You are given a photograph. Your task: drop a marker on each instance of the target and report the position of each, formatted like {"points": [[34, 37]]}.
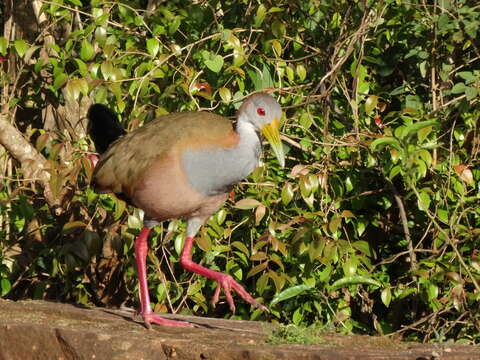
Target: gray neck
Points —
{"points": [[213, 172], [249, 148]]}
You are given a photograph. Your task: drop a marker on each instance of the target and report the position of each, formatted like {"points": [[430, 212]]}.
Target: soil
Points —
{"points": [[49, 330]]}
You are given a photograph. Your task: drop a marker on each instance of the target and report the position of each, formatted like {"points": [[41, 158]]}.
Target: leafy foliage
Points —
{"points": [[374, 225]]}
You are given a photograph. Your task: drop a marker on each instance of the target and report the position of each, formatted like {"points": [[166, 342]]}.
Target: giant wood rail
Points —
{"points": [[182, 165]]}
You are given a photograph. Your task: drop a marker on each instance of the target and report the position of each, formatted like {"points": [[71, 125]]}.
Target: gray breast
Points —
{"points": [[214, 171]]}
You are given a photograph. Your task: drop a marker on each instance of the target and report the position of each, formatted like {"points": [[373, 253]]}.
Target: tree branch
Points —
{"points": [[34, 163]]}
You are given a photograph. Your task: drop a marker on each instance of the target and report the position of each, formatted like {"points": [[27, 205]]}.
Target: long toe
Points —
{"points": [[152, 318], [227, 283]]}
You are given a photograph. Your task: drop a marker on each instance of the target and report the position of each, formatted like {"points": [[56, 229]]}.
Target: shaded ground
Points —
{"points": [[47, 330]]}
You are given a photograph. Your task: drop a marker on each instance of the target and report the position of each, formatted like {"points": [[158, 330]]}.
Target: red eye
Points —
{"points": [[261, 111]]}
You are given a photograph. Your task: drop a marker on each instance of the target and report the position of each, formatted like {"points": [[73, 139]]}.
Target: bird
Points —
{"points": [[182, 165]]}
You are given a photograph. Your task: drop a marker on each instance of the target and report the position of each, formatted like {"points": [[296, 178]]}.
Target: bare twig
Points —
{"points": [[406, 231]]}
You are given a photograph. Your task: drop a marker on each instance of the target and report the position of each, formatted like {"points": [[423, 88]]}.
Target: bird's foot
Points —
{"points": [[152, 318], [227, 283]]}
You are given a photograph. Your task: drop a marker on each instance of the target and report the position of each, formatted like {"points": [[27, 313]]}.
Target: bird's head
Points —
{"points": [[264, 113]]}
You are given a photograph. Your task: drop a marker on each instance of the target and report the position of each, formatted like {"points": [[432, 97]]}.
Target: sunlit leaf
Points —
{"points": [[255, 270], [3, 45], [354, 280], [424, 201], [225, 94], [277, 48], [386, 296], [384, 141], [246, 204], [20, 47], [5, 287], [301, 72], [260, 15], [86, 51], [153, 45], [215, 63], [289, 293], [371, 104]]}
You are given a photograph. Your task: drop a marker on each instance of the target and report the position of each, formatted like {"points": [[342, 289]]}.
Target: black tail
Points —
{"points": [[103, 127]]}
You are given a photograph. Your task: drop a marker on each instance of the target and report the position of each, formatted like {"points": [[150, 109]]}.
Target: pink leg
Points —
{"points": [[149, 317], [224, 281], [93, 159]]}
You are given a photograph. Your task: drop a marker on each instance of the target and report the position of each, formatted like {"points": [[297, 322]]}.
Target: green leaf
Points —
{"points": [[102, 21], [423, 133], [386, 296], [60, 80], [414, 128], [278, 29], [316, 247], [423, 68], [301, 72], [432, 291], [75, 2], [108, 70], [83, 86], [458, 88], [178, 244], [260, 16], [289, 293], [240, 246], [297, 316], [153, 45], [5, 287], [334, 224], [424, 201], [467, 76], [101, 34], [362, 246], [20, 47], [120, 207], [247, 204], [225, 94], [277, 47], [354, 280], [82, 67], [350, 267], [215, 63], [3, 45], [72, 225], [255, 270], [371, 104], [287, 193], [86, 51], [426, 157], [397, 169], [443, 215], [443, 21], [290, 73], [383, 141], [72, 91], [471, 93]]}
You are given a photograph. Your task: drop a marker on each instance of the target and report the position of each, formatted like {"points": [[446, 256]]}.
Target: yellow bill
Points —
{"points": [[272, 134]]}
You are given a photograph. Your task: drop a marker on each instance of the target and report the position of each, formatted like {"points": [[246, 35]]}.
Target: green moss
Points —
{"points": [[293, 334]]}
